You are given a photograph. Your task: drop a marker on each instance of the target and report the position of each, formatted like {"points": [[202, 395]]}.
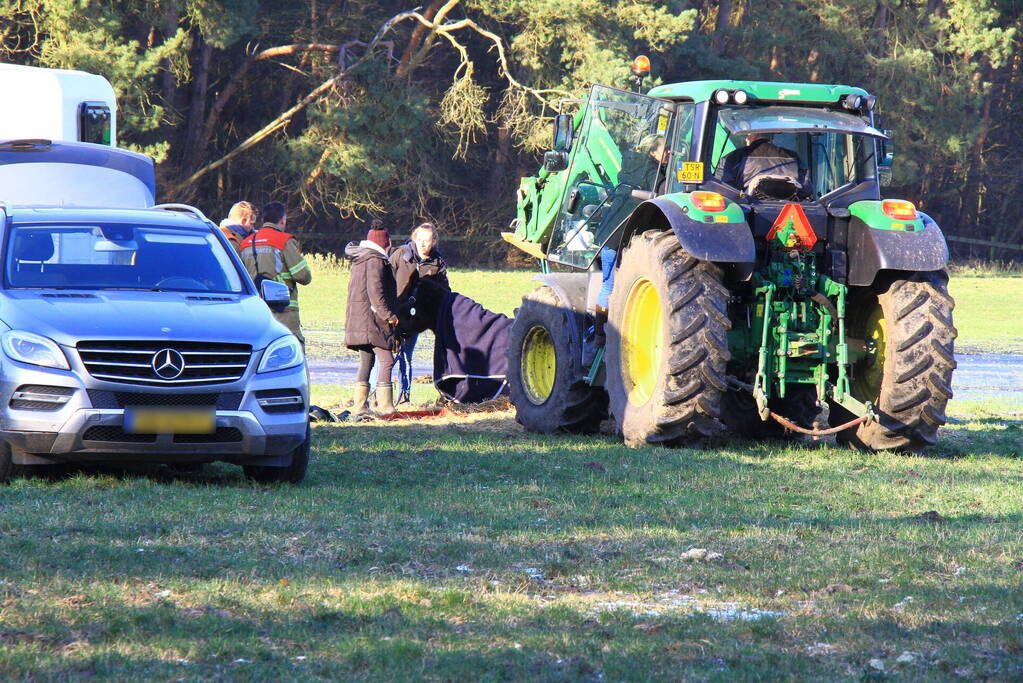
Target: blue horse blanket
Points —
{"points": [[470, 355]]}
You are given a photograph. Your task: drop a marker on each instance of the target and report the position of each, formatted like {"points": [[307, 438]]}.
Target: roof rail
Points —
{"points": [[184, 208]]}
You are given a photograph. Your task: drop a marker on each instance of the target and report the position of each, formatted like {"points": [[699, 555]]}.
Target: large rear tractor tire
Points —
{"points": [[545, 375], [908, 373], [666, 344]]}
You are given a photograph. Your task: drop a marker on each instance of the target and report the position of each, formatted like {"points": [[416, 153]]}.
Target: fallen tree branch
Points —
{"points": [[228, 91], [285, 118], [444, 30]]}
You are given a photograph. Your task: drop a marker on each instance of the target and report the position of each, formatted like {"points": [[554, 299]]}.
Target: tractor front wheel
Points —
{"points": [[907, 374], [666, 344], [545, 375]]}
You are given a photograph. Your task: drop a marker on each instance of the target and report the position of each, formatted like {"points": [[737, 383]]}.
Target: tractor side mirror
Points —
{"points": [[885, 157], [562, 133], [554, 161]]}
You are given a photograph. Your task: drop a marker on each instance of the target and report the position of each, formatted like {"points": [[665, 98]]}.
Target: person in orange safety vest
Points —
{"points": [[270, 253]]}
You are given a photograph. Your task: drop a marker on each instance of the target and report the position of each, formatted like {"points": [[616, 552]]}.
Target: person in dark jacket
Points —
{"points": [[416, 260], [761, 160], [371, 318]]}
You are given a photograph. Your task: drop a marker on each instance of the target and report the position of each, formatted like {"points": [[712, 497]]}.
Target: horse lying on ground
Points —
{"points": [[471, 346]]}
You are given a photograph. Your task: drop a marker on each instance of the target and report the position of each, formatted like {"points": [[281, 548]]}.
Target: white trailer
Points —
{"points": [[56, 104]]}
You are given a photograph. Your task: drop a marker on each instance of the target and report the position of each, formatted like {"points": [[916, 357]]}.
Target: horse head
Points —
{"points": [[419, 311]]}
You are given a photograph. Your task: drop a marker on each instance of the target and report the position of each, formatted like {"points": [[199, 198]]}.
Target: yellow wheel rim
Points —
{"points": [[867, 386], [642, 331], [539, 365]]}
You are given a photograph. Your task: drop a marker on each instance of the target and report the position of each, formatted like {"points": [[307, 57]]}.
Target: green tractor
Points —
{"points": [[744, 294]]}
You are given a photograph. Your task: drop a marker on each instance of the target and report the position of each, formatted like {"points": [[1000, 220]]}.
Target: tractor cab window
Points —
{"points": [[680, 149], [791, 154], [622, 145]]}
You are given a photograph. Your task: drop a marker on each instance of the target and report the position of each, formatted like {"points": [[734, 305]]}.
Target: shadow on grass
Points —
{"points": [[457, 635]]}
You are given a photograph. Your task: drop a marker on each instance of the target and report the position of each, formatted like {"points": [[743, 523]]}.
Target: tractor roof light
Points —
{"points": [[899, 209], [740, 97], [708, 201], [869, 101], [641, 66], [721, 96], [852, 102]]}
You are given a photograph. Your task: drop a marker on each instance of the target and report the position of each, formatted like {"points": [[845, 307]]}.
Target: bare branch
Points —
{"points": [[436, 28], [286, 117], [406, 65]]}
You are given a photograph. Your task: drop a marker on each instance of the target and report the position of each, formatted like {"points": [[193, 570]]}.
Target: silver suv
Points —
{"points": [[136, 334]]}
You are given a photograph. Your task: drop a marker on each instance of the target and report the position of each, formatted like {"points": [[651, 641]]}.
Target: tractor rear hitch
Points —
{"points": [[866, 410]]}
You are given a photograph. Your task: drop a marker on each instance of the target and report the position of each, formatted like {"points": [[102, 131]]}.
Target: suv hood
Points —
{"points": [[69, 317]]}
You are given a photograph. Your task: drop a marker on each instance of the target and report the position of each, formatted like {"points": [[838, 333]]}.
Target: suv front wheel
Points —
{"points": [[292, 473]]}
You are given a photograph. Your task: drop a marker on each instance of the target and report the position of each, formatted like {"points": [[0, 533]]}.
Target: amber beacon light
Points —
{"points": [[641, 66]]}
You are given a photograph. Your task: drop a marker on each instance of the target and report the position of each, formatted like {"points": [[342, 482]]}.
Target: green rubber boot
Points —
{"points": [[359, 402], [385, 399]]}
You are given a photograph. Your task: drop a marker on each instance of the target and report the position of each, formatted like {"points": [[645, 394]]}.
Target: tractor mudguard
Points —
{"points": [[571, 290], [730, 242], [875, 249]]}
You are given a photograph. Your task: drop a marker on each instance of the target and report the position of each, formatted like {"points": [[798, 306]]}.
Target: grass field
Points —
{"points": [[469, 550]]}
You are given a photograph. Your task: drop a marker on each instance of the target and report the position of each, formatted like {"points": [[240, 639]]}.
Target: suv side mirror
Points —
{"points": [[275, 294], [563, 133]]}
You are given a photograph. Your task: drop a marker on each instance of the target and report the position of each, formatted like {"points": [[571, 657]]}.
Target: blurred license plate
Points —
{"points": [[169, 421]]}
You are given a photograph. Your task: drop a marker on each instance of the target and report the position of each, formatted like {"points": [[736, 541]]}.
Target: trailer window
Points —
{"points": [[94, 123]]}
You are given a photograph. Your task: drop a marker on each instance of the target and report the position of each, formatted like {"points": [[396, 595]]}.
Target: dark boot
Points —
{"points": [[359, 402], [385, 399], [597, 340], [599, 321]]}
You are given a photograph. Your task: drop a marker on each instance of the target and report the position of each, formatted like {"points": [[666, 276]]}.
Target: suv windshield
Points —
{"points": [[118, 256]]}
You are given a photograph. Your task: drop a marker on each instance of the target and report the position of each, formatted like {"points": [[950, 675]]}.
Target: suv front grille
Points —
{"points": [[229, 400], [112, 433], [165, 363]]}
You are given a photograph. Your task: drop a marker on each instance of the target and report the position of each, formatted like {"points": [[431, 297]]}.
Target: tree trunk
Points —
{"points": [[168, 84], [721, 26], [197, 109], [973, 187], [405, 65], [880, 27], [502, 156]]}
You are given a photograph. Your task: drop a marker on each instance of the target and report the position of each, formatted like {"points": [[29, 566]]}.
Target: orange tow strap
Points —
{"points": [[789, 424]]}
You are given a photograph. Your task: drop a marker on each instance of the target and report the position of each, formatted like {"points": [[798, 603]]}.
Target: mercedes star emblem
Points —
{"points": [[168, 364]]}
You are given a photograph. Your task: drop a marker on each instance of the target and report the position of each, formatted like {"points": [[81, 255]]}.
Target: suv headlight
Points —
{"points": [[33, 349], [282, 354]]}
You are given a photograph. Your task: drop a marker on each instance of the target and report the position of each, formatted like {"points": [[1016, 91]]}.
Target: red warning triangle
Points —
{"points": [[795, 229]]}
